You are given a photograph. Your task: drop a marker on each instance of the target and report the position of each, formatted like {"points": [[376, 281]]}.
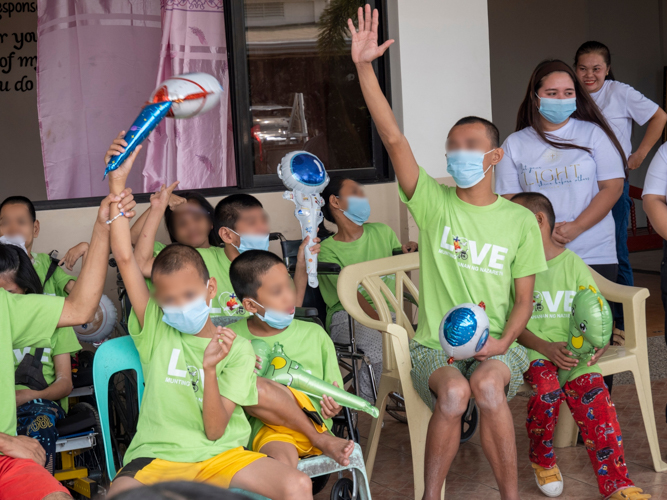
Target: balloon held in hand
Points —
{"points": [[305, 176], [181, 96], [590, 328], [277, 366], [464, 331]]}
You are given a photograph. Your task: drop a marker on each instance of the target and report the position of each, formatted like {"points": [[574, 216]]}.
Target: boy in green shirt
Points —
{"points": [[30, 320], [266, 290], [473, 245], [189, 429], [585, 392]]}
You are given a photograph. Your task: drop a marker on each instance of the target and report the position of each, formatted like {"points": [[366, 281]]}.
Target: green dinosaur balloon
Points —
{"points": [[590, 327], [277, 366]]}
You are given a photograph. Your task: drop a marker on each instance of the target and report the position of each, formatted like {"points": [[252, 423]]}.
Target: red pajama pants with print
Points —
{"points": [[592, 409]]}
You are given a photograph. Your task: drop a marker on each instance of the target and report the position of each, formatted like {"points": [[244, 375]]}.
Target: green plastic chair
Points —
{"points": [[120, 354]]}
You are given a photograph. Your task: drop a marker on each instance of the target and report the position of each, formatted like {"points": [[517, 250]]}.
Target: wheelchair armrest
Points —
{"points": [[306, 312], [322, 268]]}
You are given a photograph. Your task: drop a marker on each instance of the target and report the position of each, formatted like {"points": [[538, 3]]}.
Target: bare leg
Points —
{"points": [[277, 406], [122, 484], [444, 429], [496, 426], [281, 451], [273, 479], [57, 496]]}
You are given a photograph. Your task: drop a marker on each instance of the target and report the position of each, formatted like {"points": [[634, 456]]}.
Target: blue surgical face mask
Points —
{"points": [[251, 241], [275, 319], [557, 110], [467, 167], [189, 318], [358, 209]]}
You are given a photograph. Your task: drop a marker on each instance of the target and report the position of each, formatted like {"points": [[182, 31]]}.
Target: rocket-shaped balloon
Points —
{"points": [[182, 96], [277, 366], [590, 327], [148, 119], [305, 176]]}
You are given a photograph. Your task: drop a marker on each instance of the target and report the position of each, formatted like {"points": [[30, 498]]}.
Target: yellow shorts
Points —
{"points": [[271, 433], [217, 471]]}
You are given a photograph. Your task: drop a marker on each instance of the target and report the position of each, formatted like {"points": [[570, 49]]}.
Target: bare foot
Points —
{"points": [[337, 448]]}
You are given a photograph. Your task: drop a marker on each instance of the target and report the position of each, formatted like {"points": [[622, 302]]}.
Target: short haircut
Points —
{"points": [[175, 257], [537, 202], [247, 270], [20, 200], [228, 210], [491, 129], [207, 208]]}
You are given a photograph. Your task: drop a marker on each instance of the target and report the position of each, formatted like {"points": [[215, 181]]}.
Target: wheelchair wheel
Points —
{"points": [[396, 407], [92, 459], [469, 423], [123, 412], [342, 489]]}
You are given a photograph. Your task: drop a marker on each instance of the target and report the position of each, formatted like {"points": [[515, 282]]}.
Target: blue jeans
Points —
{"points": [[621, 212]]}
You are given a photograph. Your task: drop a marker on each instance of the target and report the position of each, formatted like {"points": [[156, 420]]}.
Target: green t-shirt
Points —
{"points": [[24, 320], [552, 303], [171, 425], [309, 345], [226, 308], [377, 241], [63, 341], [57, 282], [469, 254]]}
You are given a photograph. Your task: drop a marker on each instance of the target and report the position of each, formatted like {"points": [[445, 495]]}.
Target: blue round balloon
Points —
{"points": [[460, 326], [308, 169]]}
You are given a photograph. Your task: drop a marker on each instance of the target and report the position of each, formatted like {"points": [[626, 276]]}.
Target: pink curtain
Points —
{"points": [[199, 151], [97, 61]]}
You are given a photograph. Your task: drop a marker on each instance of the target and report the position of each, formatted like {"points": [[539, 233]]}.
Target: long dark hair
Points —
{"points": [[213, 238], [16, 265], [334, 187], [587, 110], [595, 47]]}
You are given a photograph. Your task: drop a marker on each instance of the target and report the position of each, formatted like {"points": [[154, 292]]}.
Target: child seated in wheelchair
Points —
{"points": [[266, 289], [355, 241], [586, 394], [28, 321], [43, 375], [187, 429]]}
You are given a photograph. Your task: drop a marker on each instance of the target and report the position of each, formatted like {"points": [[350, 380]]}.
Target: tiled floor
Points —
{"points": [[471, 477]]}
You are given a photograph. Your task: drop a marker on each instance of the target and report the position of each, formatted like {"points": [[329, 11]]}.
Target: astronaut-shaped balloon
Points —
{"points": [[304, 175]]}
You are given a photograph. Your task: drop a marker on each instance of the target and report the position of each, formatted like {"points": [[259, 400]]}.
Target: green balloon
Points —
{"points": [[277, 366], [590, 328]]}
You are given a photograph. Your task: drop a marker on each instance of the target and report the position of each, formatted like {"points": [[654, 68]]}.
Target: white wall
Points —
{"points": [[443, 52]]}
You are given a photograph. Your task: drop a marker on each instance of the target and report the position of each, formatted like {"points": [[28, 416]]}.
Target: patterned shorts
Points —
{"points": [[426, 360]]}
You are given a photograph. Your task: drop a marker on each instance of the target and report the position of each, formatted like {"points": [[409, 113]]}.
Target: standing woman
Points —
{"points": [[621, 105], [564, 149]]}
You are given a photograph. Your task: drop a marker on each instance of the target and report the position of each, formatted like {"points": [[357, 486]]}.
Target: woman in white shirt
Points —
{"points": [[564, 149], [621, 105], [654, 199]]}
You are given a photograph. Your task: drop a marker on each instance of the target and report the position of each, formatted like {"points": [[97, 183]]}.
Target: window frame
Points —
{"points": [[247, 181]]}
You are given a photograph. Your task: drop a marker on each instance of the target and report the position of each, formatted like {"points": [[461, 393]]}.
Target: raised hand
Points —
{"points": [[218, 348], [365, 47], [118, 177], [125, 202], [162, 198]]}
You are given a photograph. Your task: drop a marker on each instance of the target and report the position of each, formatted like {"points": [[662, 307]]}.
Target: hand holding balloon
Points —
{"points": [[590, 329], [464, 331], [277, 366]]}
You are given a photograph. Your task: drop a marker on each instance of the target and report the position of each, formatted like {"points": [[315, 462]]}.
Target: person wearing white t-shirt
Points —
{"points": [[654, 199], [621, 105], [564, 149]]}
